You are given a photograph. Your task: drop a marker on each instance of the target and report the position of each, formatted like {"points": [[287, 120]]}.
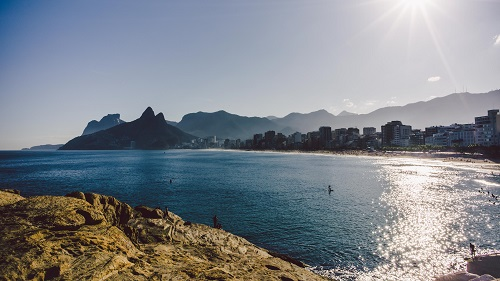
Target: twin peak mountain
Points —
{"points": [[150, 131]]}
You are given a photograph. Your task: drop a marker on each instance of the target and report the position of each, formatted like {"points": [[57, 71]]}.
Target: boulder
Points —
{"points": [[115, 212]]}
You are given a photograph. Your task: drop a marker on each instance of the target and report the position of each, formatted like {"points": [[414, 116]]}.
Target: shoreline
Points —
{"points": [[490, 164]]}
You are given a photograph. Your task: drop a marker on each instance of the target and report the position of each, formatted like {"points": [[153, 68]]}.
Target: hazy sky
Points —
{"points": [[64, 63]]}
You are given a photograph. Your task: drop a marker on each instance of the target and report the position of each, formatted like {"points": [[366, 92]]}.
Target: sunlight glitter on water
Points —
{"points": [[426, 217]]}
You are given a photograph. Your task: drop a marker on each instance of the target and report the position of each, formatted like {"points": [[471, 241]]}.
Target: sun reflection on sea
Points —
{"points": [[424, 222]]}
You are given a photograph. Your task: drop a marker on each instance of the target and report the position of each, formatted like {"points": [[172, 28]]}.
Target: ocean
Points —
{"points": [[385, 218]]}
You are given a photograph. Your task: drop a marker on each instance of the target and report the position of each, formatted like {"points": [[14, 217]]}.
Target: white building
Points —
{"points": [[453, 135]]}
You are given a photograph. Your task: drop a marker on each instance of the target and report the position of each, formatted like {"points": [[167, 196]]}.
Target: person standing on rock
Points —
{"points": [[216, 221], [472, 250]]}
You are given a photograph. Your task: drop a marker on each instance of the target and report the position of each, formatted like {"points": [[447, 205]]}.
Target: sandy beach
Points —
{"points": [[478, 159]]}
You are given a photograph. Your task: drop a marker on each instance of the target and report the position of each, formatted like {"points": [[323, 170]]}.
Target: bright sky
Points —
{"points": [[64, 63]]}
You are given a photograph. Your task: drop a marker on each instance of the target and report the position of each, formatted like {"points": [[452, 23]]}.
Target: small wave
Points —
{"points": [[340, 274], [488, 183]]}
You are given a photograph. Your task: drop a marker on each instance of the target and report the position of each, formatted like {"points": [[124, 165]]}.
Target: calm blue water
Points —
{"points": [[386, 219]]}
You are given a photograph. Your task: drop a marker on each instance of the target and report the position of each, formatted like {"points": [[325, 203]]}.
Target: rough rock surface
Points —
{"points": [[96, 237], [10, 196]]}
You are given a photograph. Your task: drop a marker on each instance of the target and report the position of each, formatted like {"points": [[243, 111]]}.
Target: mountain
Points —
{"points": [[225, 125], [147, 132], [453, 108], [44, 147], [106, 122], [306, 122]]}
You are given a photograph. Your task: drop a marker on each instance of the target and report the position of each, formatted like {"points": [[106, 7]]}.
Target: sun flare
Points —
{"points": [[414, 3]]}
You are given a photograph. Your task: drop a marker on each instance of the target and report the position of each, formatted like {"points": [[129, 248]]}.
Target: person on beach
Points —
{"points": [[216, 221], [472, 250], [330, 189]]}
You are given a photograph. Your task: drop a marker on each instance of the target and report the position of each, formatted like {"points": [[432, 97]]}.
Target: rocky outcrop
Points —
{"points": [[86, 236], [147, 132], [106, 122], [485, 264], [116, 213], [465, 276]]}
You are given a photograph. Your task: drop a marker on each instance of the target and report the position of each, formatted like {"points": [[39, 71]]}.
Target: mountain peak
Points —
{"points": [[148, 113], [160, 116], [147, 132]]}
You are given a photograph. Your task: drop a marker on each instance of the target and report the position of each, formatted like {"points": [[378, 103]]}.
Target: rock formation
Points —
{"points": [[96, 237], [106, 122], [147, 132]]}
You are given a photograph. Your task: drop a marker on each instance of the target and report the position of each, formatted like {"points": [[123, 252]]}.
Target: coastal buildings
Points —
{"points": [[369, 131], [417, 137], [488, 128], [462, 135], [394, 133], [325, 136], [484, 132], [340, 136]]}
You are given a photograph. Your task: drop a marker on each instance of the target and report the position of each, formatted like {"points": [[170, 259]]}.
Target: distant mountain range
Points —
{"points": [[454, 108], [152, 131], [147, 132], [106, 122]]}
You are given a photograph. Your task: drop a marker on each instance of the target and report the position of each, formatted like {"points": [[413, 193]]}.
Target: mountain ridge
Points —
{"points": [[224, 125], [149, 131], [460, 107]]}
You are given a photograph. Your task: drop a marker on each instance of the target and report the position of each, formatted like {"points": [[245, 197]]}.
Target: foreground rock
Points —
{"points": [[481, 268], [95, 237]]}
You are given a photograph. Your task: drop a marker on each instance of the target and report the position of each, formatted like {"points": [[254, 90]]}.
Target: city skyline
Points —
{"points": [[66, 63]]}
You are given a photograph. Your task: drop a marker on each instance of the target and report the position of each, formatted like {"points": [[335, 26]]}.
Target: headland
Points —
{"points": [[96, 237]]}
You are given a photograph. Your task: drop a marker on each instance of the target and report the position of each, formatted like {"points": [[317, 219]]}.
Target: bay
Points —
{"points": [[385, 219]]}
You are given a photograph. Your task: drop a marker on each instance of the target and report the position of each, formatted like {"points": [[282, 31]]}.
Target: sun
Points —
{"points": [[414, 3]]}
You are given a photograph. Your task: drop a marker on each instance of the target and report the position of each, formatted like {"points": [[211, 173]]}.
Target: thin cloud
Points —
{"points": [[497, 40], [434, 79], [370, 102], [391, 101], [348, 103]]}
